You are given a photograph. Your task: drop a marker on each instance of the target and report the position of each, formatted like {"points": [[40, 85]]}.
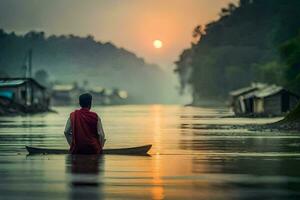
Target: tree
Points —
{"points": [[33, 35], [228, 10], [198, 32], [290, 54]]}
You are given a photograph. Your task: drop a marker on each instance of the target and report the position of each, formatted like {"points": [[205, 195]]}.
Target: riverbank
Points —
{"points": [[280, 126], [8, 108], [15, 111], [292, 127], [291, 122]]}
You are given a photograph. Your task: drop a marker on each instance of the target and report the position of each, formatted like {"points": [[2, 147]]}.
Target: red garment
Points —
{"points": [[85, 138]]}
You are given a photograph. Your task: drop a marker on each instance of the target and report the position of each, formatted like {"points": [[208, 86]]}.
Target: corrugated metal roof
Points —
{"points": [[10, 83], [264, 92], [268, 91], [251, 88]]}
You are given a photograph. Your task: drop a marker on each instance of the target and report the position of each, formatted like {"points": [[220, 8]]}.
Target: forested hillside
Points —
{"points": [[69, 59], [249, 42]]}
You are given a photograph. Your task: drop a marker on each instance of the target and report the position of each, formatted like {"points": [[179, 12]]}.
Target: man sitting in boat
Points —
{"points": [[83, 130]]}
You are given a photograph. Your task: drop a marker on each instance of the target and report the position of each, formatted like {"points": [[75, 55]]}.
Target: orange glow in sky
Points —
{"points": [[130, 24]]}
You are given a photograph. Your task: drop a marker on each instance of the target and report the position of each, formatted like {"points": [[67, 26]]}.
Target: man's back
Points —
{"points": [[85, 138], [84, 130]]}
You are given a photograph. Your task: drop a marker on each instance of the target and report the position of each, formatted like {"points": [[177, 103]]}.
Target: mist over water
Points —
{"points": [[196, 154], [86, 64]]}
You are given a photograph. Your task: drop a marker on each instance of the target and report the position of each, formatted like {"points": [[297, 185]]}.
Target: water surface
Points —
{"points": [[195, 155]]}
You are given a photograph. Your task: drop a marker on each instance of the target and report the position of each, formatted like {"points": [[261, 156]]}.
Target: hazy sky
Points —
{"points": [[132, 24]]}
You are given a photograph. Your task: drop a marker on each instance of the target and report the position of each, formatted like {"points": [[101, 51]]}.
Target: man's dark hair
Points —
{"points": [[85, 100]]}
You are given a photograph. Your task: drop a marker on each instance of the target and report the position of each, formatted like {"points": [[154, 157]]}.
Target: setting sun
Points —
{"points": [[157, 44]]}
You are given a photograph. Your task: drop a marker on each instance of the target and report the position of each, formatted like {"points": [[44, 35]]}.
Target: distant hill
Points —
{"points": [[70, 58]]}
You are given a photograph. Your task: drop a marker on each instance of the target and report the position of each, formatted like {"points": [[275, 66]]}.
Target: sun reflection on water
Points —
{"points": [[157, 189], [156, 124]]}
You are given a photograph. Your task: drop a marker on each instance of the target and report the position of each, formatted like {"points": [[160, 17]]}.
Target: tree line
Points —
{"points": [[254, 40], [71, 58]]}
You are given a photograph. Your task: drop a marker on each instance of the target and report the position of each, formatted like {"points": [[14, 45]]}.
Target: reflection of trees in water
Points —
{"points": [[221, 161], [16, 133], [237, 145], [85, 176], [277, 174], [219, 138]]}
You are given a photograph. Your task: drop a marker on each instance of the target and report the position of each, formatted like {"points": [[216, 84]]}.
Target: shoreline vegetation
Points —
{"points": [[236, 50]]}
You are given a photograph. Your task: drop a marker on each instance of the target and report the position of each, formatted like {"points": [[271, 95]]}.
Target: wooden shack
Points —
{"points": [[24, 93], [102, 96], [65, 94], [237, 97], [271, 100]]}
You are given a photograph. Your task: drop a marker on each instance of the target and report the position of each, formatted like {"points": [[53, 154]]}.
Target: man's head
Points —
{"points": [[85, 100]]}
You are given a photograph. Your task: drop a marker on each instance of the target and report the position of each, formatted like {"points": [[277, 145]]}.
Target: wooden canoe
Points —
{"points": [[140, 150]]}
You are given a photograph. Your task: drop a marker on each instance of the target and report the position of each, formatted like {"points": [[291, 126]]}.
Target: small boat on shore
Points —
{"points": [[140, 150]]}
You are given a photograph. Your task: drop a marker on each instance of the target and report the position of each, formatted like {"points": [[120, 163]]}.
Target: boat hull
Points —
{"points": [[140, 150]]}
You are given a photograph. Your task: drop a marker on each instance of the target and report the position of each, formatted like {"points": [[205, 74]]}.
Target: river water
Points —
{"points": [[196, 154]]}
